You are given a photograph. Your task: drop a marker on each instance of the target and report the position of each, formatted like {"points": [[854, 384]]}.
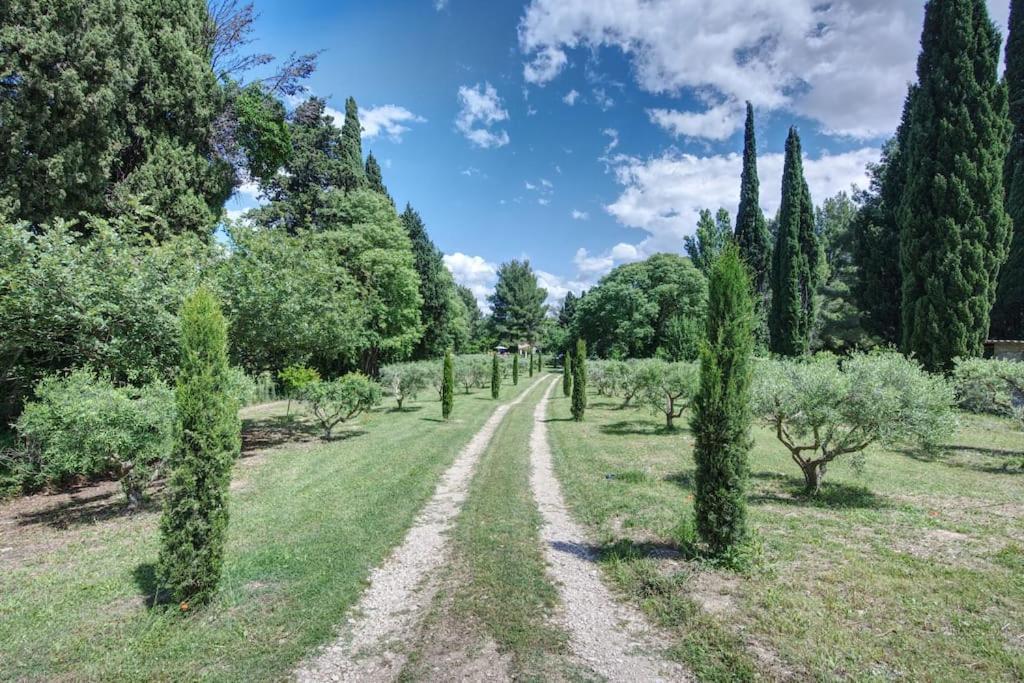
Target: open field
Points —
{"points": [[913, 568], [308, 521]]}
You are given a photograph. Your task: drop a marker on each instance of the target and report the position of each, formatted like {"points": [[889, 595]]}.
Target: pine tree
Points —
{"points": [[713, 233], [517, 304], [796, 261], [721, 411], [1008, 314], [954, 230], [195, 518], [374, 177], [515, 370], [353, 173], [567, 373], [495, 376], [752, 234], [447, 385], [437, 288], [579, 381]]}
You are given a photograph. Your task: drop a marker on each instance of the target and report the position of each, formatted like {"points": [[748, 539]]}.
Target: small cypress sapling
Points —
{"points": [[540, 362], [515, 370], [567, 373], [579, 381], [495, 376], [447, 385], [531, 363], [721, 411], [195, 517]]}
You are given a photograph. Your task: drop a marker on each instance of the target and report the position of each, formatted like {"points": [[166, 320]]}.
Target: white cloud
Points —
{"points": [[716, 123], [571, 97], [663, 195], [386, 119], [613, 140], [440, 4], [557, 287], [844, 63], [543, 201], [249, 191], [474, 272], [578, 215], [602, 99], [471, 171], [481, 109], [530, 186], [546, 183]]}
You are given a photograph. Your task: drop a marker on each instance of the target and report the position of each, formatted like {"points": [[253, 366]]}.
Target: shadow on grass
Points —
{"points": [[559, 419], [833, 494], [405, 409], [85, 509], [989, 460], [271, 432], [146, 582], [683, 480], [638, 427], [623, 550]]}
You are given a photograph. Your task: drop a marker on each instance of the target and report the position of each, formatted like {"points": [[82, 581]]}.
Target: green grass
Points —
{"points": [[910, 567], [308, 522]]}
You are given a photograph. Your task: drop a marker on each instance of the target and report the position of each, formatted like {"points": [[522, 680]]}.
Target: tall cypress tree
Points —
{"points": [[954, 230], [721, 411], [495, 376], [515, 369], [579, 381], [752, 236], [194, 525], [437, 288], [567, 373], [374, 177], [796, 260], [447, 385], [353, 173], [1008, 314]]}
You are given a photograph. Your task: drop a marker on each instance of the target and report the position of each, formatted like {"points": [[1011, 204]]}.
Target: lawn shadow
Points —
{"points": [[990, 460], [558, 419], [638, 428], [146, 581], [833, 494], [623, 549], [683, 480], [278, 430], [85, 509], [405, 409]]}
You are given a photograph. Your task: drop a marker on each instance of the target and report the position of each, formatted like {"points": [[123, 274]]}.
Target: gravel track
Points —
{"points": [[609, 637], [371, 646]]}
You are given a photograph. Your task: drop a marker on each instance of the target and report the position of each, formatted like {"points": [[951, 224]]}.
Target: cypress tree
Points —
{"points": [[796, 261], [567, 373], [375, 179], [954, 229], [195, 517], [721, 410], [495, 376], [540, 362], [1008, 314], [447, 385], [752, 234], [437, 289], [531, 363], [579, 381], [353, 173], [515, 370]]}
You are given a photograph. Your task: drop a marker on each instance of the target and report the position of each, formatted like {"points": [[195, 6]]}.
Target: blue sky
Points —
{"points": [[583, 134]]}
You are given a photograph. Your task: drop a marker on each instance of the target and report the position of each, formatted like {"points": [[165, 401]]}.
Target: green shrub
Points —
{"points": [[567, 373], [821, 409], [989, 386], [579, 381], [340, 400], [251, 390], [195, 519], [82, 425], [667, 388], [515, 369], [495, 376], [447, 385], [405, 380], [531, 364], [721, 409], [294, 379]]}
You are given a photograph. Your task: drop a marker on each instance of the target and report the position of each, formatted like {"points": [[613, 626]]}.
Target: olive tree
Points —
{"points": [[990, 386], [403, 381], [821, 409], [337, 401], [668, 388]]}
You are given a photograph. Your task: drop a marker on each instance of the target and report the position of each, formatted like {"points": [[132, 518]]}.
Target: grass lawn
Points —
{"points": [[308, 521], [912, 568], [495, 603]]}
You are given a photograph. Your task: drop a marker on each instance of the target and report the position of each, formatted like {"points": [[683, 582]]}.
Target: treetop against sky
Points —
{"points": [[583, 135]]}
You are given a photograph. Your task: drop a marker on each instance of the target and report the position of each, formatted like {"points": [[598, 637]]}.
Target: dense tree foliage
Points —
{"points": [[710, 238], [752, 235], [954, 230], [195, 519], [796, 260], [721, 409], [579, 380], [495, 376], [517, 303], [375, 178], [447, 385], [666, 388], [335, 402], [567, 373], [1008, 314], [639, 308], [837, 326]]}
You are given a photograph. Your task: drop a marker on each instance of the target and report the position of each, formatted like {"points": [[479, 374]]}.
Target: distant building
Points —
{"points": [[1005, 349]]}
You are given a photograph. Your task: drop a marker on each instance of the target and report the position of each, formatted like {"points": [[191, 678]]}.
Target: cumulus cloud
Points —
{"points": [[388, 119], [480, 109], [474, 272], [571, 97], [717, 123], [844, 63], [663, 195], [558, 286], [613, 139], [578, 215]]}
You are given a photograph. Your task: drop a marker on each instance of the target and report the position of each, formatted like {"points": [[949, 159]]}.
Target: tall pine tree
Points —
{"points": [[752, 236], [796, 261], [954, 229], [1008, 314]]}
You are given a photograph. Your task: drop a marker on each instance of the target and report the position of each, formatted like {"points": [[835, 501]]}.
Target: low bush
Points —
{"points": [[338, 401], [821, 409], [985, 385], [81, 425], [249, 390]]}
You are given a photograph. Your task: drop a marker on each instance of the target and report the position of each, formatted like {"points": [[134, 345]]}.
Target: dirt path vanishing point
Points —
{"points": [[611, 638], [371, 645]]}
